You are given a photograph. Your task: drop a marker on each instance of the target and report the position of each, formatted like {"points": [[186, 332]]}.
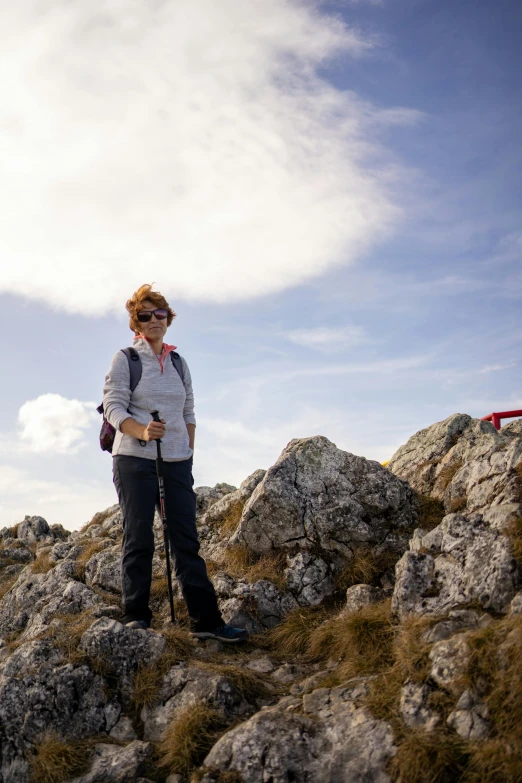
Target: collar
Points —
{"points": [[166, 349]]}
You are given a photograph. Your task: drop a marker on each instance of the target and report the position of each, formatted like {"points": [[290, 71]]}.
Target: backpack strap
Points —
{"points": [[178, 364], [134, 366]]}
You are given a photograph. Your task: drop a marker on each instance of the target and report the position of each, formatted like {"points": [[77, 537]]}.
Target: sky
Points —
{"points": [[328, 195]]}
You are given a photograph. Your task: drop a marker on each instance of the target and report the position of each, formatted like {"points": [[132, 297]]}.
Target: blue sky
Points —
{"points": [[328, 196]]}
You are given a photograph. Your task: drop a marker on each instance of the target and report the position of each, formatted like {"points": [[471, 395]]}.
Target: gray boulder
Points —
{"points": [[70, 700], [185, 685], [114, 764], [334, 741], [362, 595], [34, 530], [464, 462], [317, 497], [470, 717], [414, 708], [462, 560], [206, 496], [252, 606]]}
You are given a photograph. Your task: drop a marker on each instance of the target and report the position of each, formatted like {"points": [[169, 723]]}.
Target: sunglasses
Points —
{"points": [[144, 318]]}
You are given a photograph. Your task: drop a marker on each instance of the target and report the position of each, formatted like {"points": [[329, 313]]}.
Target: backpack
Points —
{"points": [[107, 431]]}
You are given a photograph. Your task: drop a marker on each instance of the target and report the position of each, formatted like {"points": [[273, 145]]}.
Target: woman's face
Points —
{"points": [[153, 329]]}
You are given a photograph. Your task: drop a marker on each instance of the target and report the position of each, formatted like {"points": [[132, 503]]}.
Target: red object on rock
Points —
{"points": [[495, 418]]}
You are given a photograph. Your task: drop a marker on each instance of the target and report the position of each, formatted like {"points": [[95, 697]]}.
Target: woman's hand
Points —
{"points": [[154, 430]]}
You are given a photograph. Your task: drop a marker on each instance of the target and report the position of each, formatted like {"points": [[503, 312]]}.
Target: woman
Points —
{"points": [[160, 388]]}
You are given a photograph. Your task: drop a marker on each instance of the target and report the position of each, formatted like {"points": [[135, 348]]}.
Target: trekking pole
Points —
{"points": [[163, 513]]}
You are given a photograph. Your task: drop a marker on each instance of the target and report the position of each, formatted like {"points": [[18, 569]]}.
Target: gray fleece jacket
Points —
{"points": [[160, 388]]}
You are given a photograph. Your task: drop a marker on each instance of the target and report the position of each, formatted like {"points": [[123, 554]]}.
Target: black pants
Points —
{"points": [[136, 483]]}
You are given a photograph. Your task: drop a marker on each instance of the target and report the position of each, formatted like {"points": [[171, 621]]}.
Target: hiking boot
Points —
{"points": [[225, 633]]}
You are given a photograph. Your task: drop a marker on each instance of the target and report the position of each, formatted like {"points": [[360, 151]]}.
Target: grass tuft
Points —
{"points": [[430, 758], [215, 775], [447, 474], [189, 737], [292, 636], [56, 760], [514, 533], [83, 558], [249, 684], [365, 567], [43, 564], [361, 641], [242, 563], [230, 522], [431, 512], [6, 586]]}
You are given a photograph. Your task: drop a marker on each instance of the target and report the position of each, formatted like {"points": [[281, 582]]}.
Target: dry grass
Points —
{"points": [[56, 760], [514, 533], [431, 512], [410, 661], [360, 641], [249, 684], [180, 644], [239, 562], [6, 586], [43, 564], [447, 474], [83, 558], [145, 686], [292, 637], [458, 504], [97, 519], [65, 635], [365, 567], [229, 524], [147, 679], [436, 757], [189, 737]]}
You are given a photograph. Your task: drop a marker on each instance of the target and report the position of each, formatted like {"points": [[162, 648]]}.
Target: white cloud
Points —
{"points": [[55, 425], [189, 142], [328, 339], [70, 503]]}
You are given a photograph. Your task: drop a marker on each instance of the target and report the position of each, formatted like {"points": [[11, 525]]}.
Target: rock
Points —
{"points": [[35, 599], [252, 606], [288, 672], [339, 742], [114, 764], [15, 550], [463, 461], [184, 685], [122, 649], [362, 595], [469, 718], [104, 570], [263, 665], [471, 562], [30, 658], [123, 731], [458, 620], [516, 604], [213, 535], [414, 708], [450, 659], [206, 496], [309, 578], [34, 530], [317, 497], [514, 428], [70, 700]]}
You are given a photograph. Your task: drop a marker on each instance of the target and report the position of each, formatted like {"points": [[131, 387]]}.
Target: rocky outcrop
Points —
{"points": [[70, 670]]}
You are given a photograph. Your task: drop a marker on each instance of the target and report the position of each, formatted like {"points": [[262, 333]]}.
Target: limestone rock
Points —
{"points": [[463, 461], [450, 659], [114, 764], [34, 530], [516, 604], [471, 561], [362, 595], [122, 649], [71, 700], [309, 578], [35, 599], [470, 717], [184, 685], [123, 730], [104, 570], [414, 709], [317, 496], [334, 741], [206, 496], [252, 606]]}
